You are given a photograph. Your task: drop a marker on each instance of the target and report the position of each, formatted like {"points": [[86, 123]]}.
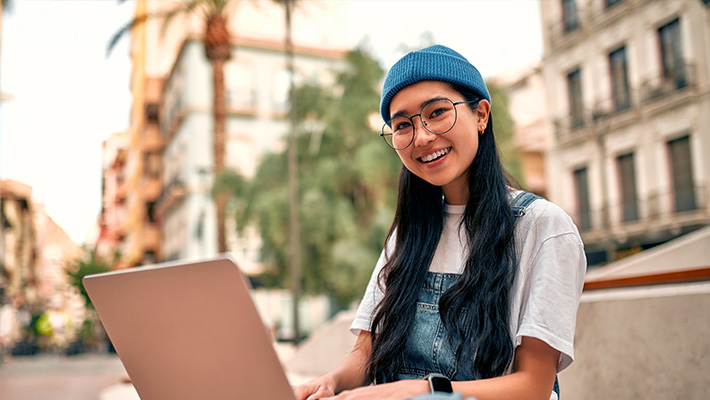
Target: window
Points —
{"points": [[619, 79], [150, 212], [627, 182], [682, 174], [241, 94], [672, 54], [569, 15], [574, 89], [280, 92], [584, 212]]}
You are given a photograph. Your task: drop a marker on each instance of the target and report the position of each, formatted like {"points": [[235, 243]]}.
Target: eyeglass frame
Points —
{"points": [[411, 119]]}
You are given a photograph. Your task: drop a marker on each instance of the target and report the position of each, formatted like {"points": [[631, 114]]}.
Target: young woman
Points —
{"points": [[478, 283]]}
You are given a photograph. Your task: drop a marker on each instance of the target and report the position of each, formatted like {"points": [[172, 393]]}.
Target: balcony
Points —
{"points": [[613, 111], [151, 239], [653, 218], [669, 84], [152, 140], [581, 22], [153, 90], [566, 29], [152, 188], [121, 191], [172, 195], [174, 116], [242, 101]]}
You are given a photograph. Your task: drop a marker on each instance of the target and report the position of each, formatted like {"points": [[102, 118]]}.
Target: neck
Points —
{"points": [[455, 197]]}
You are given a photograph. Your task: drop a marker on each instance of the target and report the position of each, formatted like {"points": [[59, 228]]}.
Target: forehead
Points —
{"points": [[412, 96]]}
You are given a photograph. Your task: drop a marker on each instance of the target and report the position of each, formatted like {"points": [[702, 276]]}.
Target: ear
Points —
{"points": [[483, 111]]}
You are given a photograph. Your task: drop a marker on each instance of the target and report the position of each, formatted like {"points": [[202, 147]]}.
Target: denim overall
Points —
{"points": [[427, 349]]}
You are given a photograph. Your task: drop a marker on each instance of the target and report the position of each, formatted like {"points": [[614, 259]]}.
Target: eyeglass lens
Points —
{"points": [[437, 117]]}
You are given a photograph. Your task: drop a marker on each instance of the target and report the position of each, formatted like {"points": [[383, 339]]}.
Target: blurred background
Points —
{"points": [[145, 131]]}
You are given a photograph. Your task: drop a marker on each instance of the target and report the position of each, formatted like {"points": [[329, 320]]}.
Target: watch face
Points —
{"points": [[440, 384]]}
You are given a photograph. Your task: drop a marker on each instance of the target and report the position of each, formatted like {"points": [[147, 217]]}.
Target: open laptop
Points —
{"points": [[189, 331]]}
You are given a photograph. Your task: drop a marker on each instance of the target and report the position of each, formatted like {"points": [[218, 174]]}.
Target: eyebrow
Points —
{"points": [[422, 105]]}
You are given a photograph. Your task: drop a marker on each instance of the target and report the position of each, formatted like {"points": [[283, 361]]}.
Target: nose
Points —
{"points": [[422, 136]]}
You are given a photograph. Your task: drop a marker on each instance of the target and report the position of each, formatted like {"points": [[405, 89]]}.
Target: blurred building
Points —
{"points": [[113, 216], [19, 278], [628, 92], [158, 175], [533, 130], [36, 254]]}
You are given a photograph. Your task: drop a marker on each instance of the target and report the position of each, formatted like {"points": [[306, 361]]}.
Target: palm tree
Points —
{"points": [[218, 48]]}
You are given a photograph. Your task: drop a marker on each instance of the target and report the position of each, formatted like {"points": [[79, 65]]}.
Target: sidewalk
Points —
{"points": [[56, 377]]}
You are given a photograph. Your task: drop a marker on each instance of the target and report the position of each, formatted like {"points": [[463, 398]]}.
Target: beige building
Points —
{"points": [[35, 253], [157, 204], [533, 130], [628, 93]]}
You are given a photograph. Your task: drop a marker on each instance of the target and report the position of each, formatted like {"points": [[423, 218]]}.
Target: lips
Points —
{"points": [[434, 156]]}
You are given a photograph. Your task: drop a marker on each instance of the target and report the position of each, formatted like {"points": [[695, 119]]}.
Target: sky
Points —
{"points": [[66, 96]]}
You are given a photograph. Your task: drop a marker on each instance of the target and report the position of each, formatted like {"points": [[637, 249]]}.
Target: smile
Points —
{"points": [[435, 155]]}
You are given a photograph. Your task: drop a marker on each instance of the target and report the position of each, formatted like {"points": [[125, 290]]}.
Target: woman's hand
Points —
{"points": [[317, 388], [350, 373], [399, 390]]}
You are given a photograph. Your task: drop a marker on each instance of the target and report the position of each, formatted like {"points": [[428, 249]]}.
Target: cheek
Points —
{"points": [[404, 156]]}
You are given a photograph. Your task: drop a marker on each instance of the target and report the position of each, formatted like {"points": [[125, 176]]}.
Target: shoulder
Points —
{"points": [[546, 219], [544, 224]]}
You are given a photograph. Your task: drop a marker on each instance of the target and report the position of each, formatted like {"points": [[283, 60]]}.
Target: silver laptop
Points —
{"points": [[189, 331]]}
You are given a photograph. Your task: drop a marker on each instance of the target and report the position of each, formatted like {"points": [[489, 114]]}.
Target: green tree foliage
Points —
{"points": [[347, 180], [89, 263]]}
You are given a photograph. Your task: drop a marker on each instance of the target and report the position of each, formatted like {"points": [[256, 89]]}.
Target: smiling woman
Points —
{"points": [[478, 282]]}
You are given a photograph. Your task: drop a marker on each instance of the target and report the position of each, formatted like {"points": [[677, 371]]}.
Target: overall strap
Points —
{"points": [[521, 202]]}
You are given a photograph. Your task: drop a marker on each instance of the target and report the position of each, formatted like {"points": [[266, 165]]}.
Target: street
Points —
{"points": [[54, 377]]}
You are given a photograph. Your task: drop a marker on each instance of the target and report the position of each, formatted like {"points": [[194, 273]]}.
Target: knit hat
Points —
{"points": [[435, 63]]}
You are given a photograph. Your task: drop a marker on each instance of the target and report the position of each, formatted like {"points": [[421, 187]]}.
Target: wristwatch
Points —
{"points": [[439, 383]]}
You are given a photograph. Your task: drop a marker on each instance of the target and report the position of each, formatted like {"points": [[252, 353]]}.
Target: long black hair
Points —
{"points": [[476, 309]]}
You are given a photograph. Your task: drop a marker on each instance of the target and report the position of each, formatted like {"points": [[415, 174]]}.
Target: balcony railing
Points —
{"points": [[242, 100], [674, 81], [654, 210], [152, 188], [174, 192], [587, 18], [604, 113], [566, 27]]}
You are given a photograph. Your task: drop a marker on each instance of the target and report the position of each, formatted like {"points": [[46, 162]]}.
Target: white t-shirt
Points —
{"points": [[548, 286]]}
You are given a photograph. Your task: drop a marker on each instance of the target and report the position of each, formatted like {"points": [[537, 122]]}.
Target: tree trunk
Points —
{"points": [[218, 50], [294, 220], [220, 116]]}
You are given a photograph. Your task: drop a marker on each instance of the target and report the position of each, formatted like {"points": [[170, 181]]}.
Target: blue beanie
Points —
{"points": [[434, 63]]}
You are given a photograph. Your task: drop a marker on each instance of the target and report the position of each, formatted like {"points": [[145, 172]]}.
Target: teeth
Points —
{"points": [[435, 155]]}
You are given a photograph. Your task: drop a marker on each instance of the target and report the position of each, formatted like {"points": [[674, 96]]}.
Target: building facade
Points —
{"points": [[533, 130], [166, 165], [628, 94], [33, 266], [257, 89]]}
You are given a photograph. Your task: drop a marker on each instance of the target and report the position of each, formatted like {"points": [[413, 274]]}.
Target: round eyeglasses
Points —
{"points": [[438, 116]]}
